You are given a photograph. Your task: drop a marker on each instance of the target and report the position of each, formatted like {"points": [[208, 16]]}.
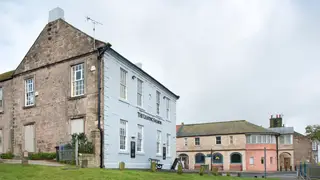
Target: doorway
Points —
{"points": [[29, 138], [184, 158], [285, 161]]}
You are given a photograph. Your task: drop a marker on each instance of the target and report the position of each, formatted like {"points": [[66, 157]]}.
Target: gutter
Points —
{"points": [[101, 52]]}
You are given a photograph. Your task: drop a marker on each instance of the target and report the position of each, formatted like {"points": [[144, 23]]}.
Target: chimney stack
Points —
{"points": [[56, 13]]}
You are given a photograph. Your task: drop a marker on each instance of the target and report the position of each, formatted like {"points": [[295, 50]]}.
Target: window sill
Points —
{"points": [[76, 97], [124, 101], [28, 107], [140, 153], [158, 155], [124, 152], [1, 111]]}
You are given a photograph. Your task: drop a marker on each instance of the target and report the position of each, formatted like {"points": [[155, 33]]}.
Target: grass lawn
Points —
{"points": [[32, 172]]}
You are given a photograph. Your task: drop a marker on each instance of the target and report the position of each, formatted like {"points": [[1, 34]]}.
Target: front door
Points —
{"points": [[29, 138], [185, 162], [286, 163], [1, 141]]}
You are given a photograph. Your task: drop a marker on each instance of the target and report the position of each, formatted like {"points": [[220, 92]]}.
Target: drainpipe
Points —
{"points": [[277, 148], [101, 52]]}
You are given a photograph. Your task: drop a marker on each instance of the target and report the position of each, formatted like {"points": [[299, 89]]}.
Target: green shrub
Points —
{"points": [[215, 171], [42, 156], [179, 169], [121, 166], [228, 173], [153, 167], [201, 170], [85, 146], [7, 155]]}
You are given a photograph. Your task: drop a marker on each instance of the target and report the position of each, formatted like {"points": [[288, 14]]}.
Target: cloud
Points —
{"points": [[227, 59]]}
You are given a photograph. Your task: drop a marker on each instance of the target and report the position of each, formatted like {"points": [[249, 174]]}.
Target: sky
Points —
{"points": [[227, 59]]}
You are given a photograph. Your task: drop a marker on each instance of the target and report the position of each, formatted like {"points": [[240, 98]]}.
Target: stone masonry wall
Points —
{"points": [[54, 108], [47, 61], [302, 149], [6, 115]]}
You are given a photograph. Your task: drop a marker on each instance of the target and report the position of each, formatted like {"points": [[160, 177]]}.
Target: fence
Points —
{"points": [[65, 153], [309, 171]]}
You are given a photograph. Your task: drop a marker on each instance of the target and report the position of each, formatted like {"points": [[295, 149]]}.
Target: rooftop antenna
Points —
{"points": [[94, 22]]}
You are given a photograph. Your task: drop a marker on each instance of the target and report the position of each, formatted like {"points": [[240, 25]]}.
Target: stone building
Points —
{"points": [[60, 88], [293, 146], [53, 92], [235, 145]]}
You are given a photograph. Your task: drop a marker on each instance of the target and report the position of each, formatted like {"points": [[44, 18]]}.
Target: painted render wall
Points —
{"points": [[257, 152], [116, 109]]}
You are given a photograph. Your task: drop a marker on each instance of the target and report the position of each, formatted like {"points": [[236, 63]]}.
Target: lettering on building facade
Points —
{"points": [[143, 116]]}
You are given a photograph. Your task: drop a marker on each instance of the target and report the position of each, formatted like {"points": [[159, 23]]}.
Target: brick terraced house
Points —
{"points": [[236, 145], [67, 83]]}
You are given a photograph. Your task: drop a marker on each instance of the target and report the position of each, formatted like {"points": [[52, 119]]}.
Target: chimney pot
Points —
{"points": [[56, 13]]}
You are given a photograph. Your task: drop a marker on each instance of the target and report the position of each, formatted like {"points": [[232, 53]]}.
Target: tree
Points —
{"points": [[313, 131]]}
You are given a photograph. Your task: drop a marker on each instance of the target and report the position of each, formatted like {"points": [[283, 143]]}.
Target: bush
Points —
{"points": [[179, 169], [42, 156], [228, 173], [153, 167], [215, 171], [121, 166], [85, 146], [7, 155], [201, 170]]}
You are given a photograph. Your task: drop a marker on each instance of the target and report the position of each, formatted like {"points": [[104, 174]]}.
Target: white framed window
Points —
{"points": [[139, 92], [123, 84], [77, 80], [167, 108], [140, 139], [29, 92], [185, 141], [285, 139], [218, 139], [251, 161], [258, 139], [158, 102], [253, 139], [123, 135], [314, 145], [158, 142], [231, 139], [168, 144], [197, 141], [77, 126], [1, 97]]}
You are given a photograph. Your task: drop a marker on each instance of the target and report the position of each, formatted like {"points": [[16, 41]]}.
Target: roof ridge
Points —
{"points": [[215, 122]]}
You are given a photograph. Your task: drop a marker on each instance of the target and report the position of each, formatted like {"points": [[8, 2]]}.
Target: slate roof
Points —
{"points": [[283, 130], [6, 76], [221, 128]]}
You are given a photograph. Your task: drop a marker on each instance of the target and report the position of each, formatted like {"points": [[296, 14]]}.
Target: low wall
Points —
{"points": [[91, 158]]}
